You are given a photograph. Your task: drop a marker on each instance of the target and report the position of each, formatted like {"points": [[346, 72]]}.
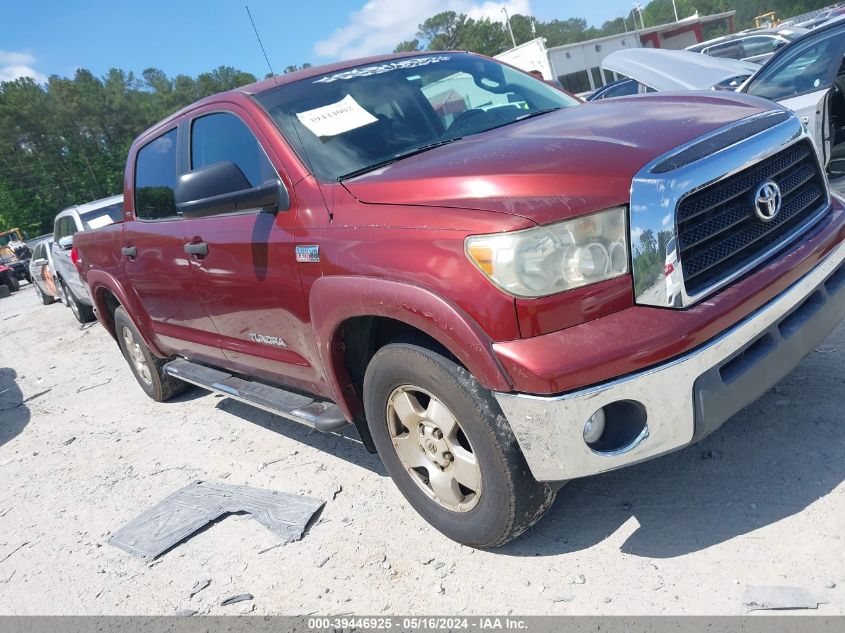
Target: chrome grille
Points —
{"points": [[720, 141], [718, 231]]}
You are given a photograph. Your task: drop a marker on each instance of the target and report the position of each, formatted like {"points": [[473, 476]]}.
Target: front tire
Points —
{"points": [[82, 311], [148, 369], [448, 447], [45, 298], [64, 293]]}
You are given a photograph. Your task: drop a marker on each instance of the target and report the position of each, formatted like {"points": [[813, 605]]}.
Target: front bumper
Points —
{"points": [[690, 396]]}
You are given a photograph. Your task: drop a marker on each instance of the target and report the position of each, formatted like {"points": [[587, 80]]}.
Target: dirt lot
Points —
{"points": [[82, 451]]}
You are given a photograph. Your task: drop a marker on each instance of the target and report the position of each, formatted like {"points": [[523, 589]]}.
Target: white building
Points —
{"points": [[578, 66]]}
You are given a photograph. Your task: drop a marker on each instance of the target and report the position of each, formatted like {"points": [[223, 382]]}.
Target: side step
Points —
{"points": [[323, 416]]}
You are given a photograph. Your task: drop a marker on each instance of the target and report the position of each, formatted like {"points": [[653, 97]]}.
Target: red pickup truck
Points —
{"points": [[501, 288]]}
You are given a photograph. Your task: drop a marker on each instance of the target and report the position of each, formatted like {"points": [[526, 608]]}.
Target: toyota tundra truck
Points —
{"points": [[470, 267]]}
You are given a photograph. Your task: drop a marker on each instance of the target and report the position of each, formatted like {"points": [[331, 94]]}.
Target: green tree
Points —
{"points": [[293, 68], [408, 46], [65, 142]]}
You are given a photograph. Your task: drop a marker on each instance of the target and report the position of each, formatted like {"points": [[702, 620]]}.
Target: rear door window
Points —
{"points": [[222, 136], [759, 45], [155, 179], [732, 50], [102, 217]]}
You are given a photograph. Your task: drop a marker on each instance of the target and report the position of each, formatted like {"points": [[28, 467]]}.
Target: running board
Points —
{"points": [[323, 416]]}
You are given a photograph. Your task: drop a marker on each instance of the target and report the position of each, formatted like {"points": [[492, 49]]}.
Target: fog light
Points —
{"points": [[594, 428]]}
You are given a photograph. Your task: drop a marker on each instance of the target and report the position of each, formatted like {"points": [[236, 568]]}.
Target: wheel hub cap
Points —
{"points": [[433, 448], [136, 356]]}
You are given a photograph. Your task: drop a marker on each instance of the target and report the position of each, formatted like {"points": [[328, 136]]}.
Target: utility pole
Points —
{"points": [[638, 7], [508, 22]]}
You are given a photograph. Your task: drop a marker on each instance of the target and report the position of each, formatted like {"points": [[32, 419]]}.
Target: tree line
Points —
{"points": [[65, 142], [450, 30]]}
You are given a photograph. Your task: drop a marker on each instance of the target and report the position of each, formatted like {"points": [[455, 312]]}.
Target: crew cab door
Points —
{"points": [[155, 261], [247, 276], [802, 78]]}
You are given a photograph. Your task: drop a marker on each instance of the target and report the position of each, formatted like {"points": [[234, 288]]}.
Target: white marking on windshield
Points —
{"points": [[386, 67]]}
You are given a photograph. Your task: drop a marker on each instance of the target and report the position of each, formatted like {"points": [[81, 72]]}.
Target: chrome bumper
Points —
{"points": [[687, 397]]}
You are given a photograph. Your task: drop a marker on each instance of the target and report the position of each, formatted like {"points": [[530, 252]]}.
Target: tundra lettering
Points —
{"points": [[267, 340]]}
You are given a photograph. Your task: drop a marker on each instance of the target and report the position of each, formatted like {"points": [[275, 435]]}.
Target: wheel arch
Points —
{"points": [[354, 316], [107, 294]]}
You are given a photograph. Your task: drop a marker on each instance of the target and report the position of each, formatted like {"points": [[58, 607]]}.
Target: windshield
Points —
{"points": [[9, 237], [347, 122], [102, 216]]}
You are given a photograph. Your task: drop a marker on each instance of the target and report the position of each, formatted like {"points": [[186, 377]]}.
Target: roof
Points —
{"points": [[315, 71], [94, 204], [783, 31]]}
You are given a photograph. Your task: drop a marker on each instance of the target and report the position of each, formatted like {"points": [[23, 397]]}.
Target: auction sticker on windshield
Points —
{"points": [[336, 118]]}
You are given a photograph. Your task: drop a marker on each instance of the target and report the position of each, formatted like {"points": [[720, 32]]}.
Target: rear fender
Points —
{"points": [[98, 281]]}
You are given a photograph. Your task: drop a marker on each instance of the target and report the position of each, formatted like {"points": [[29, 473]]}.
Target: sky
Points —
{"points": [[39, 38]]}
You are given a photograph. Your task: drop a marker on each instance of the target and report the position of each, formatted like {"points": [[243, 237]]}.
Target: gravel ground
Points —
{"points": [[82, 451]]}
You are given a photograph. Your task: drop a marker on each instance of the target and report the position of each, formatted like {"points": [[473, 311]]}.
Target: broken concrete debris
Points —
{"points": [[181, 514], [199, 586], [241, 597]]}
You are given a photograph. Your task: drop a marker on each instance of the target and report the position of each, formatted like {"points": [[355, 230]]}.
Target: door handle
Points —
{"points": [[197, 249], [129, 251]]}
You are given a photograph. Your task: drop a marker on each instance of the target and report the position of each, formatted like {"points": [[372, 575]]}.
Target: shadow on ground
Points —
{"points": [[345, 444], [14, 414], [768, 462]]}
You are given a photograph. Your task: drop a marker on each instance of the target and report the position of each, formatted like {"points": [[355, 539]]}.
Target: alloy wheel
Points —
{"points": [[433, 448], [136, 356]]}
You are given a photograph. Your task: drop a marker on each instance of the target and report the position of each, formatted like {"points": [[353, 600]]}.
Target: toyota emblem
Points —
{"points": [[767, 201]]}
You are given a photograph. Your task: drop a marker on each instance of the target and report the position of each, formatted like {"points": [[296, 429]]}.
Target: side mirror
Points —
{"points": [[66, 243], [223, 188]]}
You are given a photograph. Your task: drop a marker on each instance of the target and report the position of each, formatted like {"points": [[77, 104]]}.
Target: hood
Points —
{"points": [[557, 165], [671, 71]]}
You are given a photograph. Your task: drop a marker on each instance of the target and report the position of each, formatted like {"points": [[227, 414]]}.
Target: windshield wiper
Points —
{"points": [[531, 115], [393, 159]]}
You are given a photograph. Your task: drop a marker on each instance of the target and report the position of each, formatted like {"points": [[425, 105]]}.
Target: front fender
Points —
{"points": [[335, 299]]}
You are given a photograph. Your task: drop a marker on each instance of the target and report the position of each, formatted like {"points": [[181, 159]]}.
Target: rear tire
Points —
{"points": [[148, 369], [448, 447], [4, 291], [13, 284]]}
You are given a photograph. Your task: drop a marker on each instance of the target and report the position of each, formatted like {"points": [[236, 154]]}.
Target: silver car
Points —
{"points": [[755, 45], [84, 217]]}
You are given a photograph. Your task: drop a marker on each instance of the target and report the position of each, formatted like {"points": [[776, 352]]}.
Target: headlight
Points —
{"points": [[548, 259]]}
